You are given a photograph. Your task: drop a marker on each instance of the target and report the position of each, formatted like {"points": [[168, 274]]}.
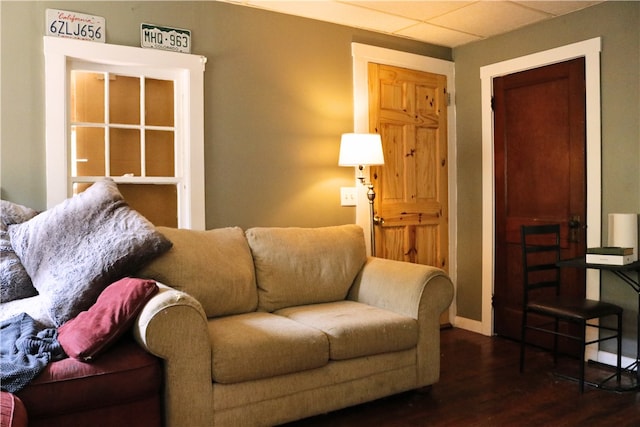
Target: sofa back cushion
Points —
{"points": [[213, 266], [296, 266]]}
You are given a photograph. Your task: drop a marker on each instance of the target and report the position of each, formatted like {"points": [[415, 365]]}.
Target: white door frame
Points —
{"points": [[590, 50], [364, 54]]}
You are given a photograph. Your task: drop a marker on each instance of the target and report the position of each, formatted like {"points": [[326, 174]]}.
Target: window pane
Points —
{"points": [[157, 203], [88, 155], [159, 153], [79, 187], [87, 97], [124, 100], [159, 102], [146, 198], [124, 152]]}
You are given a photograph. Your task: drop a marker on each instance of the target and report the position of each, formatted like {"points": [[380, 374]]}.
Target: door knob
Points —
{"points": [[574, 228]]}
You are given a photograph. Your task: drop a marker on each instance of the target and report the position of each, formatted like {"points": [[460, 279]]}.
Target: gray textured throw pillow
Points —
{"points": [[15, 283], [76, 249]]}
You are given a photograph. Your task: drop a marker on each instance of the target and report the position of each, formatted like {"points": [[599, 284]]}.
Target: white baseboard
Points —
{"points": [[468, 324], [597, 355], [611, 359]]}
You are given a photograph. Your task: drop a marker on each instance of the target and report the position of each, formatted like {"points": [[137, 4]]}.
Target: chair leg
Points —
{"points": [[583, 347], [523, 341], [619, 361], [555, 342]]}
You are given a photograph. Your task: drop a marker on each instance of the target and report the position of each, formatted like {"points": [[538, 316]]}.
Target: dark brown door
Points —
{"points": [[539, 156]]}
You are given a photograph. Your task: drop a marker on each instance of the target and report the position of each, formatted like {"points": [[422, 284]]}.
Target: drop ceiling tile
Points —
{"points": [[488, 18], [419, 10], [437, 35], [454, 22], [339, 13], [558, 7]]}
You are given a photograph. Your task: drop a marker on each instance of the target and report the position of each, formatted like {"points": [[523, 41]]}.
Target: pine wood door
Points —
{"points": [[409, 110], [540, 176]]}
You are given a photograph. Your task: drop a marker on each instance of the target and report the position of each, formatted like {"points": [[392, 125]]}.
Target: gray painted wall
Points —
{"points": [[618, 24], [278, 94]]}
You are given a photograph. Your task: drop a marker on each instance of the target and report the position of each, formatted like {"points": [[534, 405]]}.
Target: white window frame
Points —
{"points": [[61, 54]]}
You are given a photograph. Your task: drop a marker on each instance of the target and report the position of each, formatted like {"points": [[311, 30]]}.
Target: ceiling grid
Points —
{"points": [[444, 23]]}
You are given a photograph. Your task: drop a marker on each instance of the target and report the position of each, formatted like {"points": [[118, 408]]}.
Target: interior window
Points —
{"points": [[123, 126], [131, 114]]}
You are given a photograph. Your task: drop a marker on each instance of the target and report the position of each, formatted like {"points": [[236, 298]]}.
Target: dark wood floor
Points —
{"points": [[480, 385]]}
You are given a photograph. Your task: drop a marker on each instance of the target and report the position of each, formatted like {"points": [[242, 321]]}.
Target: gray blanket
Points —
{"points": [[25, 350]]}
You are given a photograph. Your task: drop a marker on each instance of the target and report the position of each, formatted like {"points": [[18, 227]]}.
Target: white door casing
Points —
{"points": [[364, 54], [188, 71], [590, 49]]}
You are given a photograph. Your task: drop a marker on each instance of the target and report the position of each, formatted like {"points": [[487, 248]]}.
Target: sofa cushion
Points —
{"points": [[12, 411], [261, 345], [355, 329], [36, 307], [101, 240], [124, 374], [15, 283], [214, 267], [91, 332], [296, 266]]}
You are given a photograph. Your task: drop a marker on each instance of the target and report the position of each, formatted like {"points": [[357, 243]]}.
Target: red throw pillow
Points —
{"points": [[93, 331]]}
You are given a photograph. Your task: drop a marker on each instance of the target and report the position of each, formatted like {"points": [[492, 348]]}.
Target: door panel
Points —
{"points": [[427, 241], [392, 243], [408, 109], [539, 158]]}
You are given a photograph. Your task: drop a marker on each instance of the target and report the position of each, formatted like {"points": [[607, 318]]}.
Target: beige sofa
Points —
{"points": [[276, 324]]}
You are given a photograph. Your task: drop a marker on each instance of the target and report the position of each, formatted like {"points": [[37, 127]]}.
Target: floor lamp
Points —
{"points": [[360, 150]]}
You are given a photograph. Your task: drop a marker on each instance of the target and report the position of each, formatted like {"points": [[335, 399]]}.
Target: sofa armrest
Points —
{"points": [[173, 326], [418, 291], [402, 287]]}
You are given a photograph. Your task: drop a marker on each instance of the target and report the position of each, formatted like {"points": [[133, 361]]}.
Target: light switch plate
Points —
{"points": [[348, 196]]}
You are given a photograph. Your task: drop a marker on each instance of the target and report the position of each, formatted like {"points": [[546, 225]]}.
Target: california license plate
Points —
{"points": [[61, 23]]}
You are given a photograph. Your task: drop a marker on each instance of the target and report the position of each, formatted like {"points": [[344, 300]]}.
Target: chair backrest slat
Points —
{"points": [[540, 253]]}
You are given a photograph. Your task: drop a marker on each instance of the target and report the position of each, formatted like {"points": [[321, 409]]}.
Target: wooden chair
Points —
{"points": [[540, 253]]}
